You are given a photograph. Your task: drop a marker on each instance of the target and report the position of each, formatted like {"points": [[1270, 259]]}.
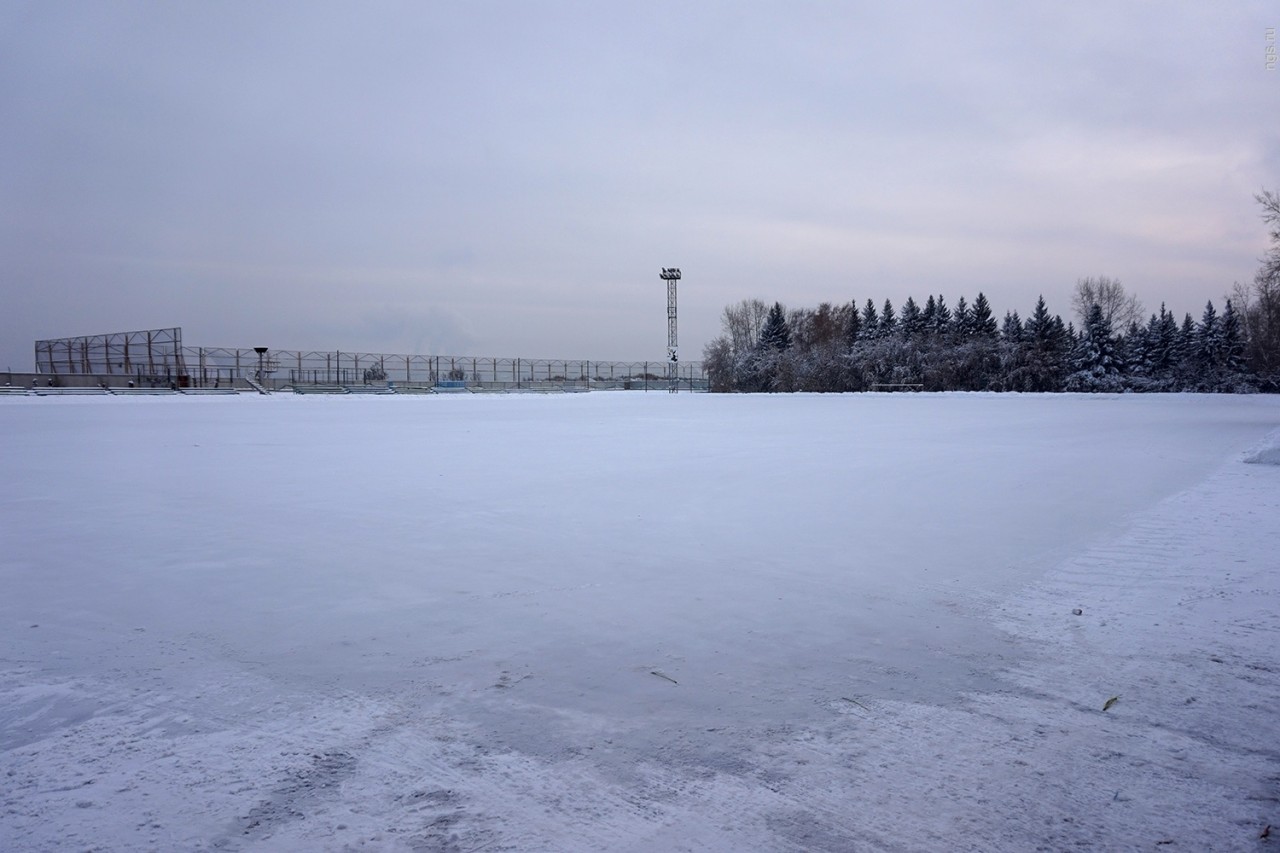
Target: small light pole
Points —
{"points": [[262, 352]]}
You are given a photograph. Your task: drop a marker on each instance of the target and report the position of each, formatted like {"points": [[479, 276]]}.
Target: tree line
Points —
{"points": [[935, 346]]}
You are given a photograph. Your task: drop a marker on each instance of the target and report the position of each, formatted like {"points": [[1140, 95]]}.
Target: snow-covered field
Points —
{"points": [[638, 622]]}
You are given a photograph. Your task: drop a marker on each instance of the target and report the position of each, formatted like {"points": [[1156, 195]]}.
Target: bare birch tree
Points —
{"points": [[1119, 309], [742, 323], [1259, 305]]}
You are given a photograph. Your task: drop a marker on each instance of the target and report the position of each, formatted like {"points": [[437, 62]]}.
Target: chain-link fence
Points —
{"points": [[279, 369], [157, 358]]}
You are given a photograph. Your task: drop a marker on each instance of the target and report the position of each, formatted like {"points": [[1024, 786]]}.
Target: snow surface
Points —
{"points": [[619, 621]]}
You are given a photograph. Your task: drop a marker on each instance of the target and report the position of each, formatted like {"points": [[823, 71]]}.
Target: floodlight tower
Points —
{"points": [[671, 275]]}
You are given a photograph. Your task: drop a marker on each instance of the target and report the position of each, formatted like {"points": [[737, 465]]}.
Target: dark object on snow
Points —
{"points": [[1077, 612]]}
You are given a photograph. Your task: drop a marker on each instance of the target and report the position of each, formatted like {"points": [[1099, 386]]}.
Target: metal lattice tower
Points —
{"points": [[671, 275]]}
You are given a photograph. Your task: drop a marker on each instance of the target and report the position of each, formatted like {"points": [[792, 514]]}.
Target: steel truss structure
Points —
{"points": [[151, 354], [671, 275]]}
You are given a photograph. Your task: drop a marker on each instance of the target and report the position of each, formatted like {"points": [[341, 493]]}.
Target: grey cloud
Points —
{"points": [[510, 177]]}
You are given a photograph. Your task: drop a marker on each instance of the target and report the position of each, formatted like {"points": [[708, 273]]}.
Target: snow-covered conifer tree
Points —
{"points": [[888, 320], [1011, 330], [1208, 339], [1133, 352], [1096, 363], [1232, 341], [910, 323], [962, 320], [853, 329], [870, 321], [776, 334], [983, 321], [1039, 325], [941, 316], [1164, 349]]}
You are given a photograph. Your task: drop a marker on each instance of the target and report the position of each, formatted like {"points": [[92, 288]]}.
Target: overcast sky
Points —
{"points": [[509, 178]]}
